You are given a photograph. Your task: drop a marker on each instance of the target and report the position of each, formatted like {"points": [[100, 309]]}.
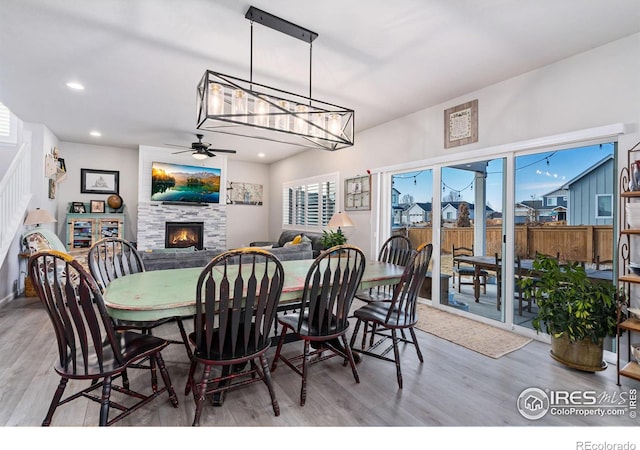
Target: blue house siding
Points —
{"points": [[583, 191]]}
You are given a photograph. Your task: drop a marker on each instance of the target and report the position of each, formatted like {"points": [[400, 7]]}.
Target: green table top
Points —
{"points": [[159, 294]]}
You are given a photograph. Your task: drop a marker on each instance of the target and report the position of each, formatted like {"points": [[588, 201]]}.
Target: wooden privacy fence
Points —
{"points": [[574, 243]]}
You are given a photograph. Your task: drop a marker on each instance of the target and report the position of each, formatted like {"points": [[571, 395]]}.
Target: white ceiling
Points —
{"points": [[140, 60]]}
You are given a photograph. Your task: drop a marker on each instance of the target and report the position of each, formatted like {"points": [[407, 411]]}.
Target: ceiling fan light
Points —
{"points": [[199, 156]]}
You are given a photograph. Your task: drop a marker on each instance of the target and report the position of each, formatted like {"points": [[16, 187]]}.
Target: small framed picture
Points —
{"points": [[78, 207], [97, 206]]}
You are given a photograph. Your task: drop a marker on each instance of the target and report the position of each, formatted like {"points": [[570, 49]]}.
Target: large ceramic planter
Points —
{"points": [[582, 355]]}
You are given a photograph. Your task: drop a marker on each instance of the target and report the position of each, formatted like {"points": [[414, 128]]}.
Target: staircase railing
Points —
{"points": [[15, 194]]}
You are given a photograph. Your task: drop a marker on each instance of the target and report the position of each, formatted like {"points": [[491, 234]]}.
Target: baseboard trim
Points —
{"points": [[7, 299]]}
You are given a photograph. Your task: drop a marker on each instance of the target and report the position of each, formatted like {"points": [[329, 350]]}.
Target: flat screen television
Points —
{"points": [[184, 184]]}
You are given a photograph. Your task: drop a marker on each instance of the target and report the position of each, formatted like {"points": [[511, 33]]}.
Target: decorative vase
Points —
{"points": [[634, 184], [582, 355]]}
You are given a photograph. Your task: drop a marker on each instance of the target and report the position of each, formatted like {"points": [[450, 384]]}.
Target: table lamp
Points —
{"points": [[39, 216], [340, 219], [331, 238]]}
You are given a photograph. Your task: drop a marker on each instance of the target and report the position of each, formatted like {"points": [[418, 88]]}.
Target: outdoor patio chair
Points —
{"points": [[465, 271]]}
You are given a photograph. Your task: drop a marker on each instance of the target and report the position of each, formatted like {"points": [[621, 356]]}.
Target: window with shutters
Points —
{"points": [[309, 203], [8, 126]]}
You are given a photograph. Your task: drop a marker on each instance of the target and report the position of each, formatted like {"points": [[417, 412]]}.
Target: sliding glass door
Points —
{"points": [[565, 208], [472, 236]]}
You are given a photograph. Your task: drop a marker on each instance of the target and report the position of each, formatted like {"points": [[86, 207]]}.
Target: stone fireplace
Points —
{"points": [[183, 234], [152, 219]]}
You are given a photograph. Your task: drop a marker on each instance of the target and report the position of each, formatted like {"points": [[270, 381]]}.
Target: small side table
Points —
{"points": [[29, 290]]}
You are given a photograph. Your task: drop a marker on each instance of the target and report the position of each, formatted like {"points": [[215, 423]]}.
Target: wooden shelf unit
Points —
{"points": [[84, 229], [628, 239]]}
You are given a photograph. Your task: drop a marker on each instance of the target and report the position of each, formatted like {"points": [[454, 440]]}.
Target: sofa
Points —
{"points": [[174, 258], [288, 236]]}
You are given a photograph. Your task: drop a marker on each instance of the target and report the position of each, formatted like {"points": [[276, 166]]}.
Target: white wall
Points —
{"points": [[247, 223], [595, 88], [82, 156]]}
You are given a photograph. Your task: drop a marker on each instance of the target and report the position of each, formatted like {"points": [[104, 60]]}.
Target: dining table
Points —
{"points": [[160, 294], [525, 267]]}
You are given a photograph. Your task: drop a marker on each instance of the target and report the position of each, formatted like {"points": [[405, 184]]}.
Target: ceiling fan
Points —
{"points": [[202, 150]]}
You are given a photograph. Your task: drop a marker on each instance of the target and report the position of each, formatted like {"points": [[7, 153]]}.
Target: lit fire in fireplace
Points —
{"points": [[183, 234], [183, 237]]}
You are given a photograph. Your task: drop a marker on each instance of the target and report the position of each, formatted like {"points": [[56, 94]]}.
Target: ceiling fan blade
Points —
{"points": [[184, 151], [175, 145], [209, 154], [220, 150]]}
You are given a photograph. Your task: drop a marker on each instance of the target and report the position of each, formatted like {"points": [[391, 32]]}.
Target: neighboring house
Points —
{"points": [[555, 205], [395, 197], [450, 211], [591, 195], [587, 199], [531, 211], [396, 209], [418, 213]]}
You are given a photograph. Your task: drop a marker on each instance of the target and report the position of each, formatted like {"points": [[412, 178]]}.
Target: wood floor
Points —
{"points": [[453, 387]]}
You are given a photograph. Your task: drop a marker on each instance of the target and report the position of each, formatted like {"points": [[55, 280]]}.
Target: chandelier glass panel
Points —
{"points": [[230, 105]]}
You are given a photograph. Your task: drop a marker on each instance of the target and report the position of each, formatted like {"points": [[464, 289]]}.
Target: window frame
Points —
{"points": [[296, 216], [597, 210]]}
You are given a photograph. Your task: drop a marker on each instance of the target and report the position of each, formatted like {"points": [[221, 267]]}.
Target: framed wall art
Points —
{"points": [[244, 193], [99, 181], [461, 124], [357, 193]]}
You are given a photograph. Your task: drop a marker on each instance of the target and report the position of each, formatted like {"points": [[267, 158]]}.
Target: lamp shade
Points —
{"points": [[38, 216], [340, 219]]}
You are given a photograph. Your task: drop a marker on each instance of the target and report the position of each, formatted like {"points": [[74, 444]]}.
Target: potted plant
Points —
{"points": [[332, 238], [576, 312]]}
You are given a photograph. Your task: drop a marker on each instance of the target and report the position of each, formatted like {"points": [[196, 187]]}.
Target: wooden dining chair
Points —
{"points": [[89, 347], [323, 318], [237, 294], [111, 258], [395, 250], [399, 314], [463, 271]]}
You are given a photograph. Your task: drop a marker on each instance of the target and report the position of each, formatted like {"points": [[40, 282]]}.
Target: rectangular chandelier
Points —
{"points": [[230, 105]]}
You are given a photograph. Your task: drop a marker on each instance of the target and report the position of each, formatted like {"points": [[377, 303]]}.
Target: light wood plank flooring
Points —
{"points": [[454, 386]]}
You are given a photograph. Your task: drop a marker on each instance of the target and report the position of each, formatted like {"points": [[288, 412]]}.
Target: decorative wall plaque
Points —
{"points": [[461, 124]]}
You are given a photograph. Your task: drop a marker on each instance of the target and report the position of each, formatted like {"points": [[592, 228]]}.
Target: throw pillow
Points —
{"points": [[305, 239], [297, 240]]}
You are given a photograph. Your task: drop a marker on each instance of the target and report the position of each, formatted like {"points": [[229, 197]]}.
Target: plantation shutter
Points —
{"points": [[309, 203]]}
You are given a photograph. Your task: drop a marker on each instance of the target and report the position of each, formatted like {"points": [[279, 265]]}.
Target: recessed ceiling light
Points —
{"points": [[75, 86], [95, 134], [261, 155]]}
